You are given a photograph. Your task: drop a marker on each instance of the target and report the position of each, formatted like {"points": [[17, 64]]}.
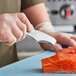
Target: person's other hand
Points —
{"points": [[13, 27], [61, 38]]}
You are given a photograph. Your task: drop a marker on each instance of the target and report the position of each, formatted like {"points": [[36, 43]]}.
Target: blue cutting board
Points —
{"points": [[30, 67]]}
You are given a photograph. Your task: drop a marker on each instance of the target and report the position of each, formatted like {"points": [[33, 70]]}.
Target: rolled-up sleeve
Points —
{"points": [[28, 3]]}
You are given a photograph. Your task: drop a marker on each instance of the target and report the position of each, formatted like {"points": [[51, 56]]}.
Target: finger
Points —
{"points": [[68, 41], [17, 32], [25, 20], [22, 27], [44, 46], [71, 36], [55, 47], [72, 42], [65, 39], [9, 38], [2, 35]]}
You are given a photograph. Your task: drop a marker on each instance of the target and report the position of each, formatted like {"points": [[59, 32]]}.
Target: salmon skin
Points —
{"points": [[63, 61]]}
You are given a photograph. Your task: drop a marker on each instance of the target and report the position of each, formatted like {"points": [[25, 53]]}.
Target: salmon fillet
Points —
{"points": [[63, 61]]}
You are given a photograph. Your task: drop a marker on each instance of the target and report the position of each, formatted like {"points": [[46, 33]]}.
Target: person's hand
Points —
{"points": [[13, 27], [61, 38]]}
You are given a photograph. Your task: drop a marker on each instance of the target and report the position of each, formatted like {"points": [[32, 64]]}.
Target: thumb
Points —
{"points": [[55, 47], [22, 17]]}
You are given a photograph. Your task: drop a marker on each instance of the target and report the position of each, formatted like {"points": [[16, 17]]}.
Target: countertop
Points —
{"points": [[30, 67]]}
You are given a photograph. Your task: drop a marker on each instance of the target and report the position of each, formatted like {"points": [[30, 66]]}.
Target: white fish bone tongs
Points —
{"points": [[41, 37]]}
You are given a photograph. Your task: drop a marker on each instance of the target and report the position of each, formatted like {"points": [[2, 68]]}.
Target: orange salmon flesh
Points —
{"points": [[63, 61]]}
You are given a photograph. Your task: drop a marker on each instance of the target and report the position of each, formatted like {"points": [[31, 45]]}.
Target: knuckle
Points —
{"points": [[13, 40], [2, 32], [19, 35], [4, 26], [23, 14], [5, 18], [59, 33], [10, 39], [7, 38], [23, 28]]}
